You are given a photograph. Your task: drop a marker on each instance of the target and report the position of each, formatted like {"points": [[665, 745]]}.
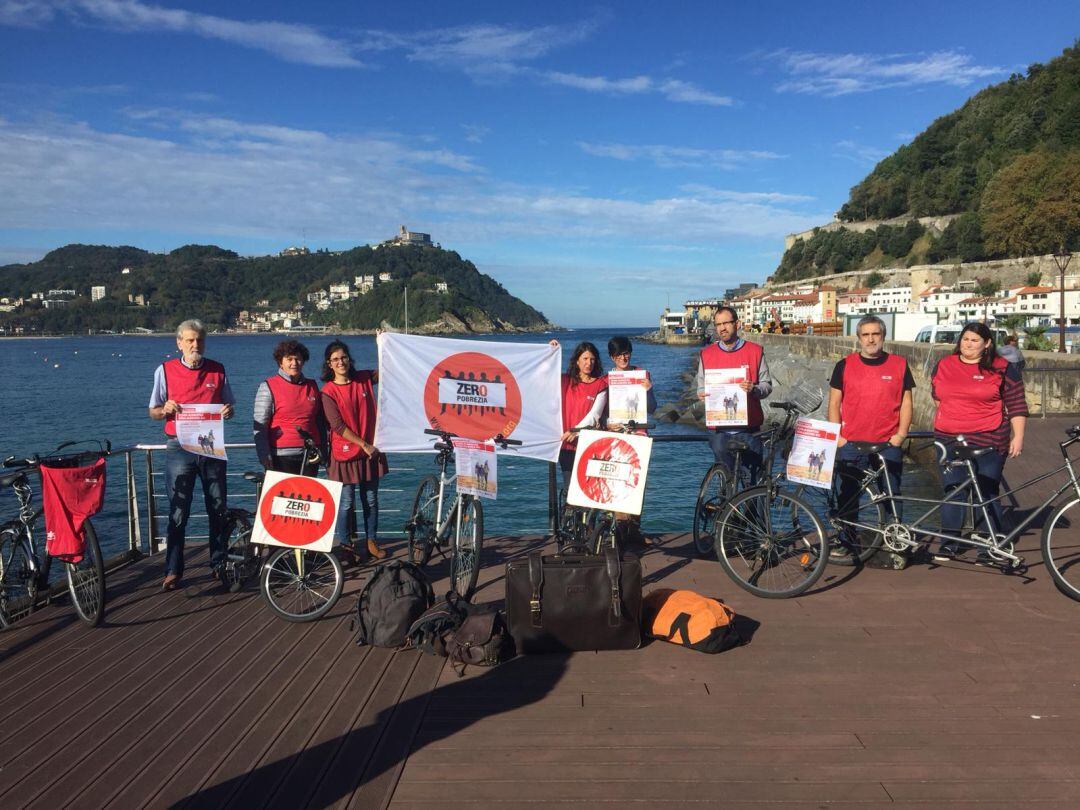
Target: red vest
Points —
{"points": [[749, 355], [870, 408], [969, 397], [356, 403], [192, 386], [578, 400], [296, 405]]}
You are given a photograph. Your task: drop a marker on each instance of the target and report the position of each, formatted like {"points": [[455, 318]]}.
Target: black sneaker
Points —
{"points": [[949, 551]]}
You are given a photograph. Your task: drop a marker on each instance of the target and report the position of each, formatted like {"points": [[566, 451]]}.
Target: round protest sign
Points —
{"points": [[472, 395], [296, 510], [608, 470]]}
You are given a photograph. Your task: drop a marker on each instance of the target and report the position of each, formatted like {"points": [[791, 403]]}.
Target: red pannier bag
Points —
{"points": [[70, 495]]}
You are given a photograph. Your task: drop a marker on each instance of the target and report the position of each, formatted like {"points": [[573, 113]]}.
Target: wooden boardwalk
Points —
{"points": [[924, 688]]}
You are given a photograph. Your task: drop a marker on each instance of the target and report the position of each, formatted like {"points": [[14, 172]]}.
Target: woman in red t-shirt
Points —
{"points": [[584, 398], [980, 396], [348, 398]]}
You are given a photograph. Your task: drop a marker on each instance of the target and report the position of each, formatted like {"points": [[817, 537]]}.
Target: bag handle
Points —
{"points": [[536, 578], [614, 565]]}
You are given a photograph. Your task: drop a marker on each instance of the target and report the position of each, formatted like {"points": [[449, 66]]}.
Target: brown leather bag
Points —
{"points": [[482, 640], [574, 602]]}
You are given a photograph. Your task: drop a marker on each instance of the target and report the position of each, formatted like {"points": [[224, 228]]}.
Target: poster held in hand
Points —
{"points": [[297, 511], [813, 453], [200, 429], [610, 471], [477, 468], [627, 397], [725, 401]]}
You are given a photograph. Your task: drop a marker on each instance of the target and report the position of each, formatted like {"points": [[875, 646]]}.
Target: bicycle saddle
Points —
{"points": [[257, 477], [964, 453], [867, 447], [7, 479], [737, 446]]}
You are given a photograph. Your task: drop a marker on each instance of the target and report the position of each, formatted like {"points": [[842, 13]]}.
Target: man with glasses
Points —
{"points": [[730, 351], [870, 396]]}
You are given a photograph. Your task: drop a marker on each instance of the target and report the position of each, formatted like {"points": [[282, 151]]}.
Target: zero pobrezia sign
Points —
{"points": [[297, 511], [610, 470]]}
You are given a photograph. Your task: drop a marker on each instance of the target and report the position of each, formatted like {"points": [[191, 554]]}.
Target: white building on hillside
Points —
{"points": [[890, 299]]}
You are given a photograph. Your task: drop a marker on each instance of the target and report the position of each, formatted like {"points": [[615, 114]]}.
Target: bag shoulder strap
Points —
{"points": [[536, 579], [614, 569]]}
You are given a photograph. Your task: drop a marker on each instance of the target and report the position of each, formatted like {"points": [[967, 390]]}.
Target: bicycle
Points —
{"points": [[770, 541], [22, 572], [1059, 546], [721, 483], [299, 585], [437, 522]]}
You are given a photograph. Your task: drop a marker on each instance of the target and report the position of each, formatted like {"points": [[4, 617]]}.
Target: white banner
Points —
{"points": [[297, 511], [813, 452], [473, 389], [200, 429], [477, 468], [610, 470]]}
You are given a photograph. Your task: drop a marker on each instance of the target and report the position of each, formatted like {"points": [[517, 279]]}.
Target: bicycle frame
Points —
{"points": [[979, 502]]}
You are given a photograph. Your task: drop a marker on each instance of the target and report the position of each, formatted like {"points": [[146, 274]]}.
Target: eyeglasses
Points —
{"points": [[339, 359], [621, 354], [724, 323]]}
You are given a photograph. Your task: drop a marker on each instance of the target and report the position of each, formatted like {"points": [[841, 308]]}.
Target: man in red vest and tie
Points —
{"points": [[730, 351], [870, 396], [188, 380]]}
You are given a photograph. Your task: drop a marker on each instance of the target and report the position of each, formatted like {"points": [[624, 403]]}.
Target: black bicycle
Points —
{"points": [[22, 572]]}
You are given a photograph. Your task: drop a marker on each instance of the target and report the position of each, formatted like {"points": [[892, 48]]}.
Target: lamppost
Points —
{"points": [[1061, 259]]}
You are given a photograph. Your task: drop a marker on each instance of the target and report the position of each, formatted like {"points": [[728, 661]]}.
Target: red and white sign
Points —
{"points": [[610, 471], [477, 467], [297, 511], [473, 389], [813, 452]]}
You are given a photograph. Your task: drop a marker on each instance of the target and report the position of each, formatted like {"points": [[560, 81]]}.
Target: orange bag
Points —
{"points": [[690, 619]]}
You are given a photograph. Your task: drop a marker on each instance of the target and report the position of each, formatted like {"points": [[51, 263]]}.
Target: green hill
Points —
{"points": [[215, 285], [1007, 163]]}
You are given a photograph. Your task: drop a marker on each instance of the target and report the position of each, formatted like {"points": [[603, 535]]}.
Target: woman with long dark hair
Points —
{"points": [[348, 398], [584, 398], [980, 396]]}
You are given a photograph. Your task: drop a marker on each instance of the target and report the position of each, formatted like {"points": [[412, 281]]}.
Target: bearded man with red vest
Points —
{"points": [[284, 403], [870, 396], [731, 351], [188, 380]]}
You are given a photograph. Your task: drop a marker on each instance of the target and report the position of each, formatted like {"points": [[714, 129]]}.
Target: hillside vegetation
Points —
{"points": [[1007, 162], [215, 285]]}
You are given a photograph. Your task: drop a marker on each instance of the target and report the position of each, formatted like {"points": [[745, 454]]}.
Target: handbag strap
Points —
{"points": [[536, 578], [613, 566]]}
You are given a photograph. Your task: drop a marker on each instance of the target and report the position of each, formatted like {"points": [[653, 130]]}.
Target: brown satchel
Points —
{"points": [[481, 640], [574, 602]]}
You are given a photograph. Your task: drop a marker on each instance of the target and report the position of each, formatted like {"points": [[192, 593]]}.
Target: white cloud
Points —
{"points": [[860, 153], [302, 44], [841, 74], [743, 196], [678, 156], [226, 178], [475, 133], [671, 89]]}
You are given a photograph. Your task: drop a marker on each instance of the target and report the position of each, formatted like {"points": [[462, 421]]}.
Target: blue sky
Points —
{"points": [[595, 159]]}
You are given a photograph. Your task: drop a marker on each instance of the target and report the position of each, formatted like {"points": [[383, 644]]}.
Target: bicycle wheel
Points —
{"points": [[771, 543], [424, 518], [18, 577], [602, 535], [241, 556], [301, 586], [1061, 547], [465, 562], [86, 580], [852, 515], [713, 492]]}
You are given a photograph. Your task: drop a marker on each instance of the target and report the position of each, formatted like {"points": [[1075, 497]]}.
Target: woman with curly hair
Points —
{"points": [[286, 403]]}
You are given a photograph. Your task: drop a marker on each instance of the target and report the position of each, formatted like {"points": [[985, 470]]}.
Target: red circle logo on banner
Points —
{"points": [[472, 395], [619, 465], [297, 511]]}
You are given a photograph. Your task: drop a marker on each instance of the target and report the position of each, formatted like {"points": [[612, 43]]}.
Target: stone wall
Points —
{"points": [[1052, 380], [936, 224]]}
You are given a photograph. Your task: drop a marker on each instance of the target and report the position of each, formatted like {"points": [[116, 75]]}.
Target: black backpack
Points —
{"points": [[429, 633], [397, 593]]}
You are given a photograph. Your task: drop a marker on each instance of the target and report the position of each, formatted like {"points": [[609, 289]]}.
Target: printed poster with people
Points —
{"points": [[813, 452], [472, 389], [627, 397], [297, 511], [200, 429], [610, 471], [725, 400], [477, 468]]}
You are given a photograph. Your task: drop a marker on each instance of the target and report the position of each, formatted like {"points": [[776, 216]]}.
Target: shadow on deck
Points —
{"points": [[919, 688]]}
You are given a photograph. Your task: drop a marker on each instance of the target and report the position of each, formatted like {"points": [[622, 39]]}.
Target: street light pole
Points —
{"points": [[1062, 259]]}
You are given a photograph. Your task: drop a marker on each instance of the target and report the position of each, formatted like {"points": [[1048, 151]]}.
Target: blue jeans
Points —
{"points": [[369, 503], [988, 469], [181, 470], [752, 457], [849, 458]]}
